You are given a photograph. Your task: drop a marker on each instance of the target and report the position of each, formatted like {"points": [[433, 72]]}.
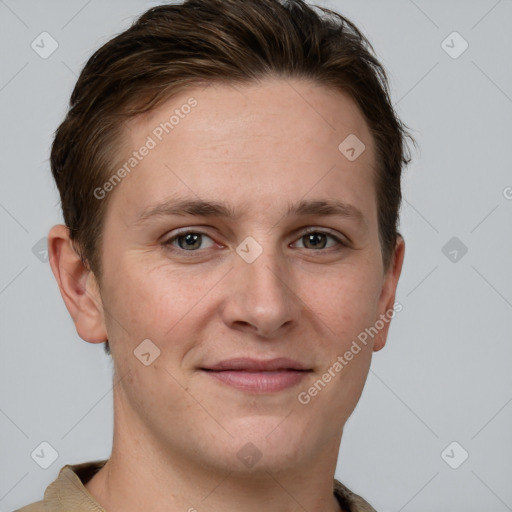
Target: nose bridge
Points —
{"points": [[261, 295], [262, 274]]}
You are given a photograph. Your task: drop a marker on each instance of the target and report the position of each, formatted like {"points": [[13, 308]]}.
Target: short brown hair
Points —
{"points": [[172, 47]]}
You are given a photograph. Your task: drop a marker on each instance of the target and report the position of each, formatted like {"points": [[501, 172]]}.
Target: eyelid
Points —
{"points": [[167, 240], [318, 229], [341, 239]]}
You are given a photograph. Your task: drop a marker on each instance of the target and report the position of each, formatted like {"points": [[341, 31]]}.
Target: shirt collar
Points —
{"points": [[68, 493]]}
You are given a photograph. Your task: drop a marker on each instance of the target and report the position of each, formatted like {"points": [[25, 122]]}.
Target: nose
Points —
{"points": [[260, 298]]}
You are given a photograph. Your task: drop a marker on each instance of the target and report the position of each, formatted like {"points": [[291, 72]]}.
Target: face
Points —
{"points": [[257, 265]]}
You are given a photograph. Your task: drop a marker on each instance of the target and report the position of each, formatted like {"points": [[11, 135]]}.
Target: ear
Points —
{"points": [[387, 297], [77, 285]]}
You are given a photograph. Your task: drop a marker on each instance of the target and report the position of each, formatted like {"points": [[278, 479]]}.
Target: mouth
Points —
{"points": [[257, 376]]}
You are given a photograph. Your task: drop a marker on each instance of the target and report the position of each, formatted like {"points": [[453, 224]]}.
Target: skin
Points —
{"points": [[177, 431]]}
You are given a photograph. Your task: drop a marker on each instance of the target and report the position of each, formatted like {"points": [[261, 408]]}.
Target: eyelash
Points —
{"points": [[168, 244]]}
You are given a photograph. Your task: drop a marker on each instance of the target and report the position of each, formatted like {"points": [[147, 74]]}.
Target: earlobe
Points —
{"points": [[387, 297], [77, 285]]}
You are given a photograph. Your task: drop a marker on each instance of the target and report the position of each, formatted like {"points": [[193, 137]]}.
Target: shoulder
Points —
{"points": [[67, 492], [350, 501]]}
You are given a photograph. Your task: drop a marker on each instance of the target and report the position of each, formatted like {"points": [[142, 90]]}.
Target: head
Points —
{"points": [[241, 109]]}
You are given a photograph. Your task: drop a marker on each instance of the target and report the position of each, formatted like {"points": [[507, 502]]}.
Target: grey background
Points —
{"points": [[444, 375]]}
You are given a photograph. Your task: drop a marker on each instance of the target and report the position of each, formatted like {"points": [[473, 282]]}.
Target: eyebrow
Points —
{"points": [[201, 208]]}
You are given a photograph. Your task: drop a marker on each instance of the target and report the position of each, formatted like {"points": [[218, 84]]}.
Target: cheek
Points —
{"points": [[345, 302], [155, 301], [146, 306]]}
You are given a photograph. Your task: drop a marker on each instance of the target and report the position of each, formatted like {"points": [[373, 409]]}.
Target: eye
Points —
{"points": [[192, 241], [315, 239], [188, 240]]}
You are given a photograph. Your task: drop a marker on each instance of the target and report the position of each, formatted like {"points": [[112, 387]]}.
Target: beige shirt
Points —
{"points": [[68, 494]]}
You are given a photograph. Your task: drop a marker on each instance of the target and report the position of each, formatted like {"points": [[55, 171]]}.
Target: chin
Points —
{"points": [[263, 444]]}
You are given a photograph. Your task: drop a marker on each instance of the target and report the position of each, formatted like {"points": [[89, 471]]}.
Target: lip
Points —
{"points": [[249, 364], [258, 376]]}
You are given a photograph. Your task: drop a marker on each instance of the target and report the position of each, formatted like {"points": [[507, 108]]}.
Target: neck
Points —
{"points": [[144, 474]]}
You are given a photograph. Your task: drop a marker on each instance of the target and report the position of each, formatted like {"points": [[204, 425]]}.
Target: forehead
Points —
{"points": [[277, 139], [274, 107]]}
